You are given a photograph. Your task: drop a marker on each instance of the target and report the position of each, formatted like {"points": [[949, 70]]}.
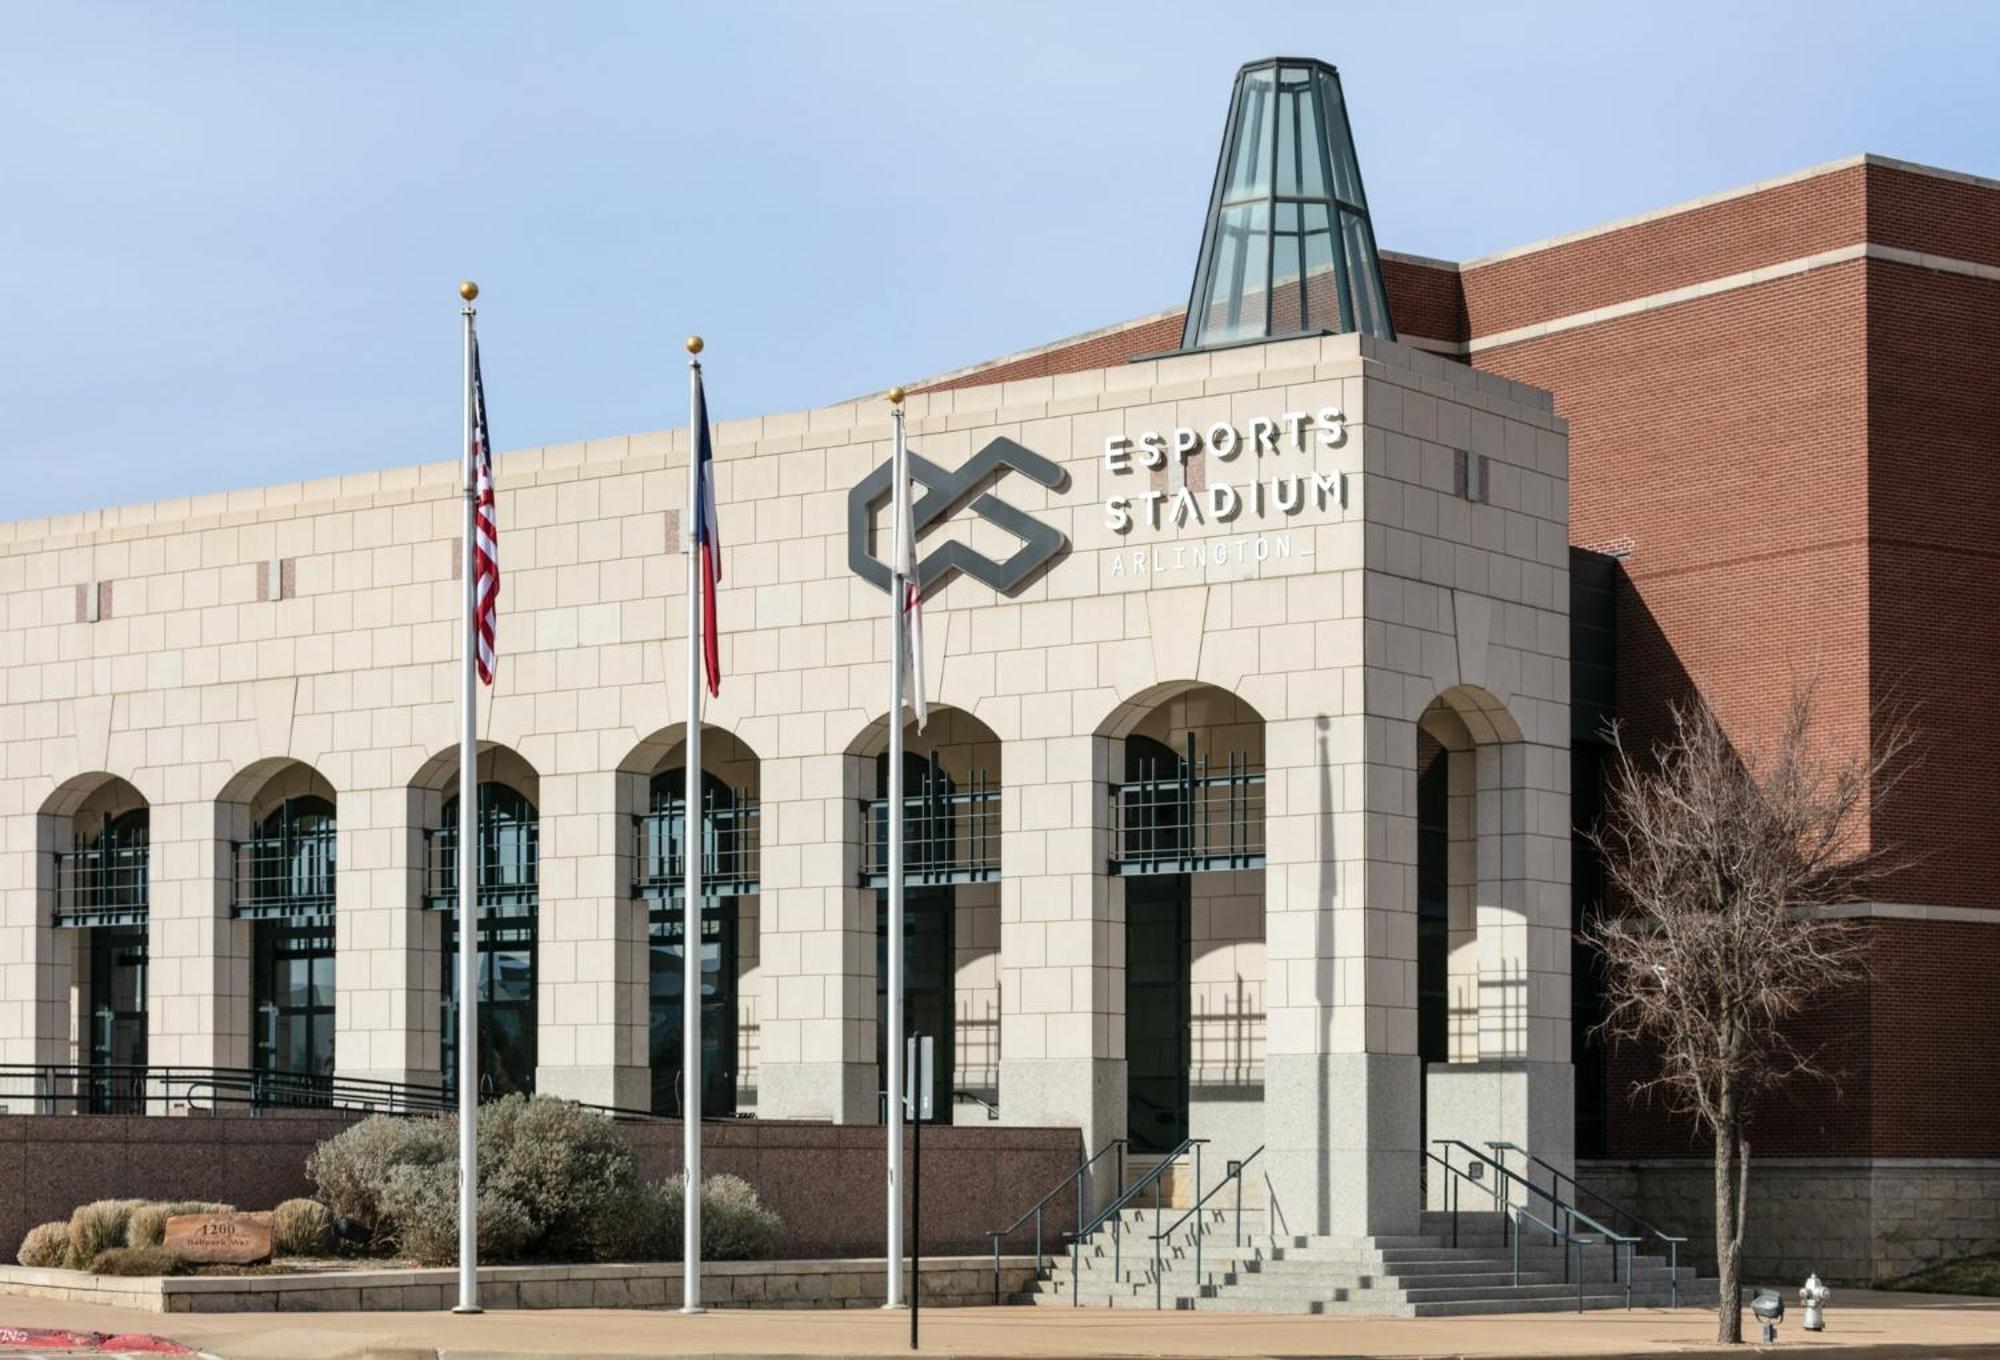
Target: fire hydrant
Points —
{"points": [[1813, 1295]]}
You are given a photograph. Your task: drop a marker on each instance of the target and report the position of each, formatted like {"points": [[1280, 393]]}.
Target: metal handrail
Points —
{"points": [[992, 1110], [1517, 1212], [52, 1085], [1036, 1209], [1113, 1213], [1235, 1173], [1557, 1176], [1573, 1213]]}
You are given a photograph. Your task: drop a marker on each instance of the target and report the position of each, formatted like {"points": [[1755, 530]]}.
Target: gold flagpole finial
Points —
{"points": [[694, 344], [896, 395], [468, 290]]}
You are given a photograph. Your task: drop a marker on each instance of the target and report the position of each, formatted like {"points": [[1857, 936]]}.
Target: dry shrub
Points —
{"points": [[134, 1261], [736, 1224], [45, 1247], [98, 1227], [352, 1168], [301, 1227], [421, 1202]]}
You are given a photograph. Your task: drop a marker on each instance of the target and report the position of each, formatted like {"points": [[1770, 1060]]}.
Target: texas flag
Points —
{"points": [[707, 540]]}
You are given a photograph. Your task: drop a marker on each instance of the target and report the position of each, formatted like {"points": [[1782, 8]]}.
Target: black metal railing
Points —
{"points": [[102, 886], [1193, 821], [731, 848], [509, 866], [1619, 1216], [1077, 1180], [1561, 1224], [86, 1088], [1234, 1173], [949, 835], [286, 875], [1114, 1214]]}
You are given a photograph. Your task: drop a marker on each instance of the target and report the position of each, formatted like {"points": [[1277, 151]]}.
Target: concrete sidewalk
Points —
{"points": [[1862, 1326]]}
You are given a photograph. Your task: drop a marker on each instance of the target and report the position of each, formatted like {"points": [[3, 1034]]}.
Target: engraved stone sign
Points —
{"points": [[237, 1239]]}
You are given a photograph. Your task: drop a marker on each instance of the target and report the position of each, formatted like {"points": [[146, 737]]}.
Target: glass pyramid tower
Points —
{"points": [[1288, 249]]}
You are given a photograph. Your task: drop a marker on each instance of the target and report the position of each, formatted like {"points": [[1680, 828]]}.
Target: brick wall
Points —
{"points": [[824, 1181]]}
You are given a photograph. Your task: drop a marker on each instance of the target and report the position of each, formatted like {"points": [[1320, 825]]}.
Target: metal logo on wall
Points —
{"points": [[944, 492]]}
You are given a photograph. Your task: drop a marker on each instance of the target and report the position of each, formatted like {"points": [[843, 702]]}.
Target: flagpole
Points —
{"points": [[893, 1041], [691, 840], [468, 867]]}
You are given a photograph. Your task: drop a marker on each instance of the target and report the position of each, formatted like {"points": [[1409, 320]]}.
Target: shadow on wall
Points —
{"points": [[1802, 1118]]}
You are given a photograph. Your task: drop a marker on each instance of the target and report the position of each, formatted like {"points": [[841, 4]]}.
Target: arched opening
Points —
{"points": [[506, 933], [729, 844], [1484, 881], [95, 829], [280, 819], [1462, 1007], [951, 901], [1187, 853]]}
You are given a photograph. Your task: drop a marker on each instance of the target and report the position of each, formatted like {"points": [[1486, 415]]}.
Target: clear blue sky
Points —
{"points": [[229, 233]]}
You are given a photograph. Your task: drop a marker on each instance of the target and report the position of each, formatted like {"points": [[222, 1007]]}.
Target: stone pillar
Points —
{"points": [[817, 942], [1341, 1072], [593, 981], [1062, 942], [198, 958], [37, 961], [388, 951]]}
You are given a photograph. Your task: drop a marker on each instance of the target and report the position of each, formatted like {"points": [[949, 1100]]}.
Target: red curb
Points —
{"points": [[61, 1339]]}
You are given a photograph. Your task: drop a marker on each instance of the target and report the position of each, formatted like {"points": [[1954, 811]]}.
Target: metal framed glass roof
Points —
{"points": [[1288, 249]]}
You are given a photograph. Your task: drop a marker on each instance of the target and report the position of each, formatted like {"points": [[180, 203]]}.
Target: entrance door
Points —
{"points": [[718, 1008], [1158, 1026], [293, 985], [506, 945], [117, 1020], [929, 969]]}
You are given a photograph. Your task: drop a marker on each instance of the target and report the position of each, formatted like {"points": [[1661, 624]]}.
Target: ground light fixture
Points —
{"points": [[1769, 1306]]}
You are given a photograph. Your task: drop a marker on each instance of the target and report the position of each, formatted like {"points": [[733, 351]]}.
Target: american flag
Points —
{"points": [[707, 540], [485, 527]]}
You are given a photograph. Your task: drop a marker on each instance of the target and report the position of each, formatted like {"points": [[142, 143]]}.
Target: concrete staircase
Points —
{"points": [[1421, 1275]]}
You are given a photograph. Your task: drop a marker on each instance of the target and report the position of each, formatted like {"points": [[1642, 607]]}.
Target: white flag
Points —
{"points": [[910, 636]]}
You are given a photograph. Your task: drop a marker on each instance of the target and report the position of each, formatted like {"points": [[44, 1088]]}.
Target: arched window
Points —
{"points": [[287, 884], [111, 873], [509, 899], [289, 863]]}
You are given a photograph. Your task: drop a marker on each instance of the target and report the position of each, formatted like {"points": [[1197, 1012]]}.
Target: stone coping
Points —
{"points": [[852, 1282]]}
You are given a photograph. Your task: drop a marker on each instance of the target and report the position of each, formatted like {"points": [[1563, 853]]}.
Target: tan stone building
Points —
{"points": [[1192, 623], [288, 653]]}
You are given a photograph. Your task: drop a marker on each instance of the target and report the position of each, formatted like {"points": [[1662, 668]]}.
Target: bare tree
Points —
{"points": [[1721, 867]]}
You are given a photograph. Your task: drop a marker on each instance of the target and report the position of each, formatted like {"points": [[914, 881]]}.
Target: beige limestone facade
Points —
{"points": [[1392, 558]]}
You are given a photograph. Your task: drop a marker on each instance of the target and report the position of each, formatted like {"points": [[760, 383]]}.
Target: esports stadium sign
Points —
{"points": [[944, 492]]}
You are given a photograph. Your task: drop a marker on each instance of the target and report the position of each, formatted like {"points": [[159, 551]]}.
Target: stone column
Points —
{"points": [[198, 958], [817, 942], [593, 981], [37, 961], [388, 951], [1341, 1073], [1062, 942]]}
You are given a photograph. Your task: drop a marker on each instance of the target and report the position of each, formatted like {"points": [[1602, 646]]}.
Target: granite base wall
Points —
{"points": [[824, 1180], [1853, 1221], [952, 1282]]}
